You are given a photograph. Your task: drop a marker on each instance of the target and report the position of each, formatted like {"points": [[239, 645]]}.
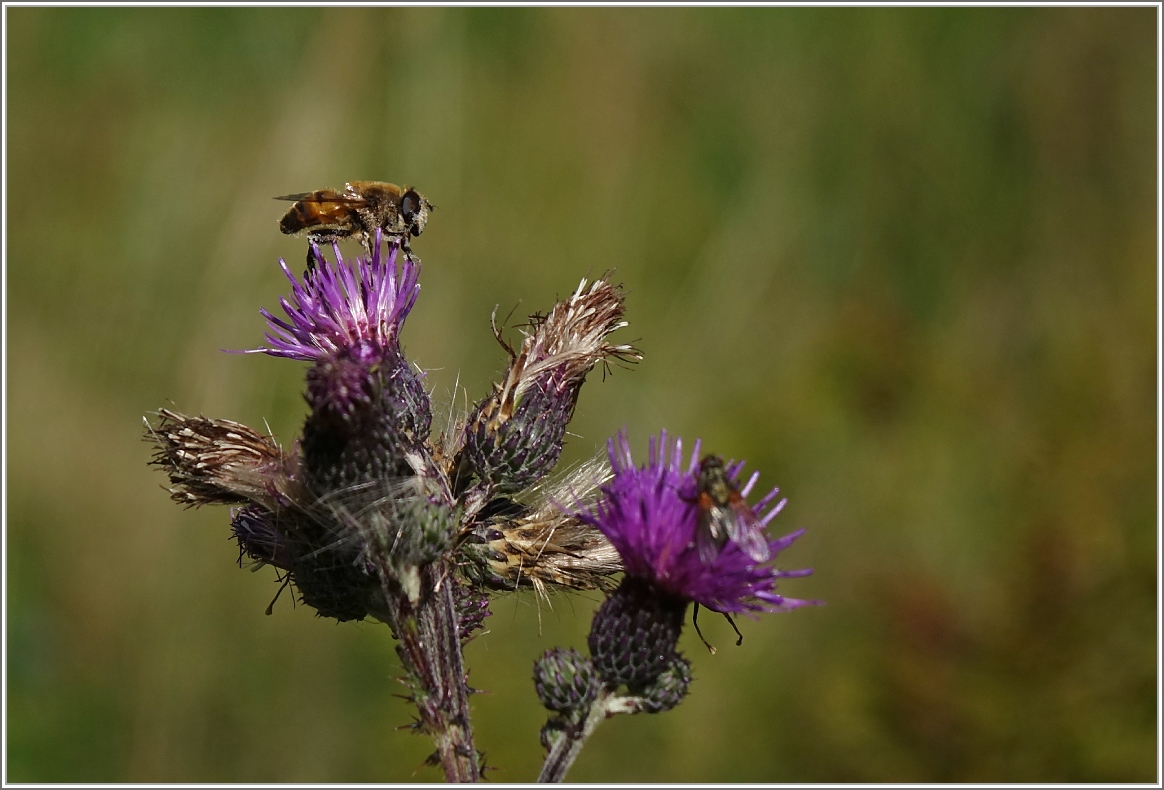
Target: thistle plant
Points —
{"points": [[370, 515]]}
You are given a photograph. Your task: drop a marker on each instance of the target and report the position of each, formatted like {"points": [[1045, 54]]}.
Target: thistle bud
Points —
{"points": [[667, 690], [565, 681], [472, 609]]}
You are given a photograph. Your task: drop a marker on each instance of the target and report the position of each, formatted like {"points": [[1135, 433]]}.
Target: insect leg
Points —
{"points": [[322, 237], [732, 622], [695, 622], [315, 240], [282, 587], [406, 247]]}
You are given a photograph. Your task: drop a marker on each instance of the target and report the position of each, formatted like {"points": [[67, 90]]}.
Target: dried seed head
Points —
{"points": [[221, 462], [565, 344], [514, 436], [562, 552], [543, 545]]}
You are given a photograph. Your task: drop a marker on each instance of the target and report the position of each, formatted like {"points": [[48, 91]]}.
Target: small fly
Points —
{"points": [[724, 515]]}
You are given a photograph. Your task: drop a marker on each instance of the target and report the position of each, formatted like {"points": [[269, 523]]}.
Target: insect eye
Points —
{"points": [[415, 230], [409, 206]]}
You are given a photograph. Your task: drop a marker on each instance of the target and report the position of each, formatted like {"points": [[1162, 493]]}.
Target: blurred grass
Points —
{"points": [[902, 260]]}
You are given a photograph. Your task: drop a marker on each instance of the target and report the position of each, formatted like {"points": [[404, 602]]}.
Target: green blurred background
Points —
{"points": [[902, 260]]}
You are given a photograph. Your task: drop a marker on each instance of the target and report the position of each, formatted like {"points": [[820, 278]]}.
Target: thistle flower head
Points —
{"points": [[566, 343], [370, 413], [221, 462], [539, 544], [514, 436], [344, 302], [651, 517]]}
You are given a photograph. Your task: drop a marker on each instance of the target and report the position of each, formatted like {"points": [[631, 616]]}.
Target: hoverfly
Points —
{"points": [[724, 515], [356, 212]]}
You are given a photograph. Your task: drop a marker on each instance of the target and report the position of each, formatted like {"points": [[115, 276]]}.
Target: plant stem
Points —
{"points": [[569, 744], [430, 648]]}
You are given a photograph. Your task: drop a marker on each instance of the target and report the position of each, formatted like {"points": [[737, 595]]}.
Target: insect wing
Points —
{"points": [[745, 530], [713, 529], [326, 196], [324, 208], [707, 542]]}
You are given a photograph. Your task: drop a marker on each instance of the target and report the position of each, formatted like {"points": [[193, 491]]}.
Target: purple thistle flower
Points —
{"points": [[650, 516], [341, 304]]}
